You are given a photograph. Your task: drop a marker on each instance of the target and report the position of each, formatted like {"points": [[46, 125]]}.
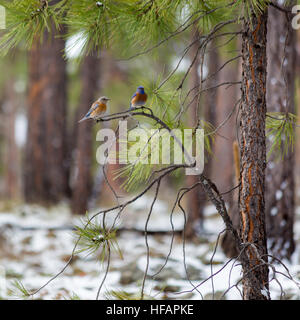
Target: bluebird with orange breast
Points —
{"points": [[97, 109], [139, 98]]}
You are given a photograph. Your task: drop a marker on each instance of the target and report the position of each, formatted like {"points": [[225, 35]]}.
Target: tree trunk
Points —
{"points": [[253, 157], [280, 190], [227, 154], [111, 74], [196, 198], [45, 172], [82, 184]]}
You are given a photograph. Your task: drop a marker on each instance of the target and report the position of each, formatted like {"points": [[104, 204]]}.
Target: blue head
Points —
{"points": [[140, 89]]}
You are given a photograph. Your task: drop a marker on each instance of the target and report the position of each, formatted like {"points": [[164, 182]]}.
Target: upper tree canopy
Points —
{"points": [[106, 23]]}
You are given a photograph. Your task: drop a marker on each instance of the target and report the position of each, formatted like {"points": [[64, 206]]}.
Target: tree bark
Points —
{"points": [[280, 189], [82, 184], [45, 170], [253, 157]]}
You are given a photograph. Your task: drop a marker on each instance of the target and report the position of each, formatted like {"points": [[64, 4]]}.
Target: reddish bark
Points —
{"points": [[253, 157], [45, 170]]}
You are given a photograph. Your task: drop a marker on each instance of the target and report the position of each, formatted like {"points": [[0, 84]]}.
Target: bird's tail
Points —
{"points": [[84, 118]]}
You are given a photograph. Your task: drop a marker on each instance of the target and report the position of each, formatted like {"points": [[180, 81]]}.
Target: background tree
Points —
{"points": [[202, 107], [196, 198], [45, 172], [82, 173], [226, 168], [280, 181]]}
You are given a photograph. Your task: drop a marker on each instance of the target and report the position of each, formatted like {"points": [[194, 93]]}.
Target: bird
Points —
{"points": [[138, 99], [97, 109]]}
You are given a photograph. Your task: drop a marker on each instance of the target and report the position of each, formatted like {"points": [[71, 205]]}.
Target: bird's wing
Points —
{"points": [[133, 96], [93, 107]]}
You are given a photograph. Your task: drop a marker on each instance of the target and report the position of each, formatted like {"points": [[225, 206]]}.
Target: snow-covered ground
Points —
{"points": [[36, 243]]}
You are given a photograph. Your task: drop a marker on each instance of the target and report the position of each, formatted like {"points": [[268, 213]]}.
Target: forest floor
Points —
{"points": [[36, 243]]}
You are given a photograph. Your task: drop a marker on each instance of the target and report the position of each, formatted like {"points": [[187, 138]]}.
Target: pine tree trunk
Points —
{"points": [[280, 190], [253, 157], [82, 184], [45, 170]]}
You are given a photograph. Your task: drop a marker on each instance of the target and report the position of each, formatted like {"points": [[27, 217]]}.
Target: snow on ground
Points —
{"points": [[36, 243]]}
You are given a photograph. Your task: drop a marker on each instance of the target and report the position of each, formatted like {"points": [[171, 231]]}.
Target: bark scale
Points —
{"points": [[253, 157]]}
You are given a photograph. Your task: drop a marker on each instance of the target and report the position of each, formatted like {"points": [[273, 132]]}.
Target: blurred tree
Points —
{"points": [[45, 169], [280, 191], [226, 167], [196, 198], [82, 179]]}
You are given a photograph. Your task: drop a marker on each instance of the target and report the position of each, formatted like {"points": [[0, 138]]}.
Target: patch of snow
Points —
{"points": [[35, 256], [274, 211], [278, 194]]}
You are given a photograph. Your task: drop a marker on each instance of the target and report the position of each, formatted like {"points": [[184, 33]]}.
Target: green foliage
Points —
{"points": [[254, 7], [93, 20], [280, 131], [19, 290], [75, 296], [94, 238], [212, 12], [163, 101], [27, 20], [144, 22], [137, 24]]}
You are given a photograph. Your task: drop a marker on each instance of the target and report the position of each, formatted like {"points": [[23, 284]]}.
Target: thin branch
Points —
{"points": [[146, 238]]}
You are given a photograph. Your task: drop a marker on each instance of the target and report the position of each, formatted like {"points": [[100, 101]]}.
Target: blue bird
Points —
{"points": [[138, 99]]}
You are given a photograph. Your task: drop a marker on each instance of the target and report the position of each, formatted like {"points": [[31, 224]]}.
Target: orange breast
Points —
{"points": [[100, 109], [139, 98]]}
